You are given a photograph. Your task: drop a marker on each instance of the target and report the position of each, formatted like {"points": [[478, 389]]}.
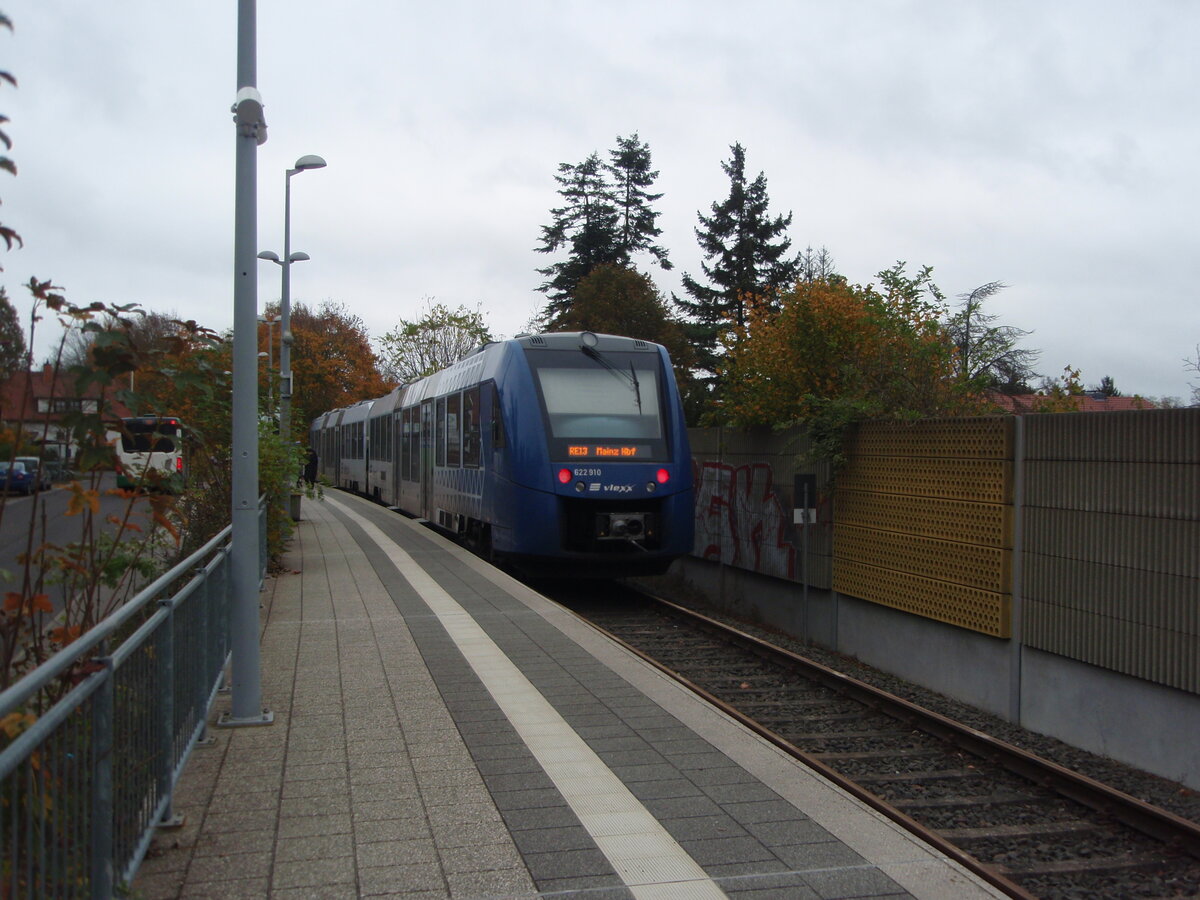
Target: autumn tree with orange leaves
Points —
{"points": [[333, 364], [834, 353]]}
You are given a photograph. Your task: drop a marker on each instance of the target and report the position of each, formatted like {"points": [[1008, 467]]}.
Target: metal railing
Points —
{"points": [[84, 787]]}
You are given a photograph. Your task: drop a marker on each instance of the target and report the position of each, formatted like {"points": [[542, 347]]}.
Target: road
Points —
{"points": [[47, 513]]}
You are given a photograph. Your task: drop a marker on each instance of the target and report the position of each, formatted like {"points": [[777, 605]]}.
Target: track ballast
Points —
{"points": [[1027, 825]]}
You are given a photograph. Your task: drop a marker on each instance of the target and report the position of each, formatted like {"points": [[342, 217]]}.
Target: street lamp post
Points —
{"points": [[263, 354], [270, 323], [285, 304], [245, 677]]}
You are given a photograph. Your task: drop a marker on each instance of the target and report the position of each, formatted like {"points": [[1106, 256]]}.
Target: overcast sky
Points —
{"points": [[1048, 145]]}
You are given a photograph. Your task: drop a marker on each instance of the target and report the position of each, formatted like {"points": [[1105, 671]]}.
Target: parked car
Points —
{"points": [[15, 478], [39, 470]]}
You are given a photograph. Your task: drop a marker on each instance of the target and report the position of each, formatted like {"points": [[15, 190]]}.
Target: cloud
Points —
{"points": [[1047, 146]]}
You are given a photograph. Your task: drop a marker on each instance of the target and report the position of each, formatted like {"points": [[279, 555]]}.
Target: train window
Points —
{"points": [[618, 401], [397, 447], [454, 430], [497, 420], [470, 416], [378, 442], [599, 405], [405, 449], [440, 433], [414, 443]]}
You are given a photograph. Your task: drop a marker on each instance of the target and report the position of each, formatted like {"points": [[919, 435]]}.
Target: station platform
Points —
{"points": [[442, 730]]}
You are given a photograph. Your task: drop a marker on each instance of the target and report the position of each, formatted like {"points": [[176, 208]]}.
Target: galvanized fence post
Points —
{"points": [[102, 785], [165, 758]]}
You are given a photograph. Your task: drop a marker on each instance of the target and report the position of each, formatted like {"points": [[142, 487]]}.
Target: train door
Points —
{"points": [[427, 447], [399, 452], [338, 454]]}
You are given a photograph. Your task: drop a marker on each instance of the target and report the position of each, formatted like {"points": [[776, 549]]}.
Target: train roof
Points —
{"points": [[574, 340], [357, 412], [476, 366], [384, 405]]}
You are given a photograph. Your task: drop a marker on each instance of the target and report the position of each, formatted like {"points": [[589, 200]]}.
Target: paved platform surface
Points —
{"points": [[440, 730]]}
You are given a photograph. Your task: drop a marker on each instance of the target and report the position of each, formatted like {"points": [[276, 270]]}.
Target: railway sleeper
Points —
{"points": [[917, 777], [804, 699], [889, 753], [1122, 863], [987, 800], [1033, 829], [814, 737]]}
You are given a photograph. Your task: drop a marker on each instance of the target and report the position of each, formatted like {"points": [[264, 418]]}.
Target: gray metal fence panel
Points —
{"points": [[83, 788], [1112, 541]]}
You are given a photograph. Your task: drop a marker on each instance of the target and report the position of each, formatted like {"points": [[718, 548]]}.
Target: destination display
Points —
{"points": [[608, 451]]}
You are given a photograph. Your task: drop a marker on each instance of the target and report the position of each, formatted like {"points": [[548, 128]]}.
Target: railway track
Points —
{"points": [[1027, 825]]}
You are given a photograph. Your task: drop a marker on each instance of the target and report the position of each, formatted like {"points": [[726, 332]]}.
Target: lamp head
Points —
{"points": [[269, 254], [299, 256], [309, 162]]}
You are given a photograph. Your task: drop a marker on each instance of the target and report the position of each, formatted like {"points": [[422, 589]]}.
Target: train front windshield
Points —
{"points": [[601, 405]]}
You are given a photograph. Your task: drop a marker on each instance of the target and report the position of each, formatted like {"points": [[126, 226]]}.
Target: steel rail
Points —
{"points": [[1152, 820], [1173, 830]]}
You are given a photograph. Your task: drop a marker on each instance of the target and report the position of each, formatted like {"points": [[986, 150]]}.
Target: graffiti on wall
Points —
{"points": [[742, 521]]}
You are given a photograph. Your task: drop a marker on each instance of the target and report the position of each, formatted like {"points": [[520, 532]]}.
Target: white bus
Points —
{"points": [[150, 454]]}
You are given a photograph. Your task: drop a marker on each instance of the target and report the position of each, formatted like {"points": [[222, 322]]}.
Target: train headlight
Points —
{"points": [[564, 476], [580, 487], [662, 476]]}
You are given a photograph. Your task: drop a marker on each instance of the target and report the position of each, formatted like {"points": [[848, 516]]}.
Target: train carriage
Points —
{"points": [[380, 436], [560, 453], [351, 447]]}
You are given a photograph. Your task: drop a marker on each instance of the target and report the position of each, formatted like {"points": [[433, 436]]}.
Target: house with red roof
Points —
{"points": [[1089, 401], [40, 400]]}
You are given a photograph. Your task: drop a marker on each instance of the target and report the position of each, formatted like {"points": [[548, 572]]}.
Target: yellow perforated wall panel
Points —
{"points": [[989, 524], [984, 611], [990, 438], [977, 480], [986, 568], [923, 515]]}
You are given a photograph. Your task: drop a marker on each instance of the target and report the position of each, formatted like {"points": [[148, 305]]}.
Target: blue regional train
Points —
{"points": [[561, 454]]}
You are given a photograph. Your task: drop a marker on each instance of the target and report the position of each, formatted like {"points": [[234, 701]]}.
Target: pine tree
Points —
{"points": [[629, 166], [746, 260], [587, 224], [606, 219]]}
